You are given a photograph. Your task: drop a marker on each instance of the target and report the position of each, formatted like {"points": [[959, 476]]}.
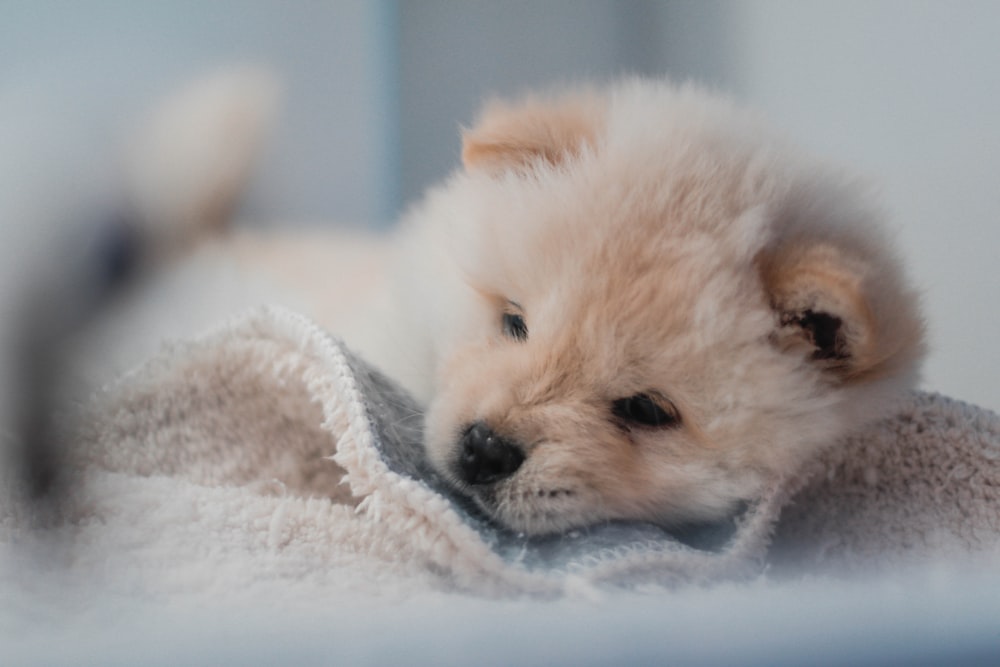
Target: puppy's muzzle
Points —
{"points": [[486, 457]]}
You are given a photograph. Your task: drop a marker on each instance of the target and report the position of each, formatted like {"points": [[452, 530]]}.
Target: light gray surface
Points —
{"points": [[931, 618]]}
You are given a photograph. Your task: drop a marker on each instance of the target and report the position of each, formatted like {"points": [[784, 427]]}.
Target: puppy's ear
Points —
{"points": [[511, 137], [851, 318]]}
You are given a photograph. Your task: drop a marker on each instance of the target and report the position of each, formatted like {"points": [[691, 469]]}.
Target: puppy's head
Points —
{"points": [[660, 310]]}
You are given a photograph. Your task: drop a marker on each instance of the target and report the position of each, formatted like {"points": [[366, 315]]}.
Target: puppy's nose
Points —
{"points": [[486, 457]]}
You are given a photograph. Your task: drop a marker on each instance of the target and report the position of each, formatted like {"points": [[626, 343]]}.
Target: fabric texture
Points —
{"points": [[266, 456]]}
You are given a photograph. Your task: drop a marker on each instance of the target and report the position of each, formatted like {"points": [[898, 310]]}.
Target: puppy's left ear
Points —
{"points": [[517, 136], [852, 319]]}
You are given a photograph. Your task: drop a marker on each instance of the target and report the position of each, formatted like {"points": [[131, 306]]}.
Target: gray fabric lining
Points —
{"points": [[396, 422]]}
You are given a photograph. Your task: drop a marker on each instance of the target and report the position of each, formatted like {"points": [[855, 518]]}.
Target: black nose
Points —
{"points": [[486, 457]]}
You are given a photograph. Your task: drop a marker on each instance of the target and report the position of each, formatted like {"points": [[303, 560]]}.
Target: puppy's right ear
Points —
{"points": [[517, 136]]}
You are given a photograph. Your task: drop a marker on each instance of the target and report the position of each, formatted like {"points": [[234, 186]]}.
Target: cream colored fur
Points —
{"points": [[659, 241]]}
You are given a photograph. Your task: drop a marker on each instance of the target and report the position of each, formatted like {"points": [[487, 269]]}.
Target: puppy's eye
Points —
{"points": [[644, 410], [514, 326]]}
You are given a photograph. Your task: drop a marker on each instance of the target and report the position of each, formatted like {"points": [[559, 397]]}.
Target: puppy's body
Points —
{"points": [[630, 304]]}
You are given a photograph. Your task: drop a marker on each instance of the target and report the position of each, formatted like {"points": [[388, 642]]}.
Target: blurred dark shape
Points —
{"points": [[37, 451], [119, 255], [86, 206], [52, 312]]}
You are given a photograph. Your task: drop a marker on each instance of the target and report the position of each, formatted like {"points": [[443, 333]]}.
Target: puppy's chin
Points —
{"points": [[538, 512], [532, 509]]}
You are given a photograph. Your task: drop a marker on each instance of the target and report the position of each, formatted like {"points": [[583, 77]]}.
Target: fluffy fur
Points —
{"points": [[656, 241], [630, 303]]}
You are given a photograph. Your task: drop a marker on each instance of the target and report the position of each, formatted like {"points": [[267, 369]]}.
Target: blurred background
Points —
{"points": [[375, 91]]}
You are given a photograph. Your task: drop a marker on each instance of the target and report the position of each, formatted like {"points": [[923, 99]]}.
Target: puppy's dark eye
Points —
{"points": [[644, 410], [514, 326]]}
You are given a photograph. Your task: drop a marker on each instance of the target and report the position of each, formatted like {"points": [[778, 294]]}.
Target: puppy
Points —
{"points": [[630, 303], [635, 303]]}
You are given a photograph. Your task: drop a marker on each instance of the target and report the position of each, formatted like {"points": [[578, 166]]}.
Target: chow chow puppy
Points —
{"points": [[635, 303], [631, 302]]}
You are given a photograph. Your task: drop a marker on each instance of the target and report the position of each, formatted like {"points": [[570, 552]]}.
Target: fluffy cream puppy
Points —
{"points": [[630, 303], [635, 303]]}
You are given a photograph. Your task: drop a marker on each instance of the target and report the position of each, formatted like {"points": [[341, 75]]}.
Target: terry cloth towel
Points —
{"points": [[266, 450]]}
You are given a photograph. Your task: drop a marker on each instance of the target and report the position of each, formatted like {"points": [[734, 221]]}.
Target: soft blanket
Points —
{"points": [[258, 496], [267, 455]]}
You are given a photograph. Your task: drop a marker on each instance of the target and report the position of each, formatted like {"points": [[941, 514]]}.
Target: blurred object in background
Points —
{"points": [[331, 149], [83, 215], [57, 200]]}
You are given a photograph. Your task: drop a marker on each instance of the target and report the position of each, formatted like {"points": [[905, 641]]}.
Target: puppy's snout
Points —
{"points": [[486, 457]]}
